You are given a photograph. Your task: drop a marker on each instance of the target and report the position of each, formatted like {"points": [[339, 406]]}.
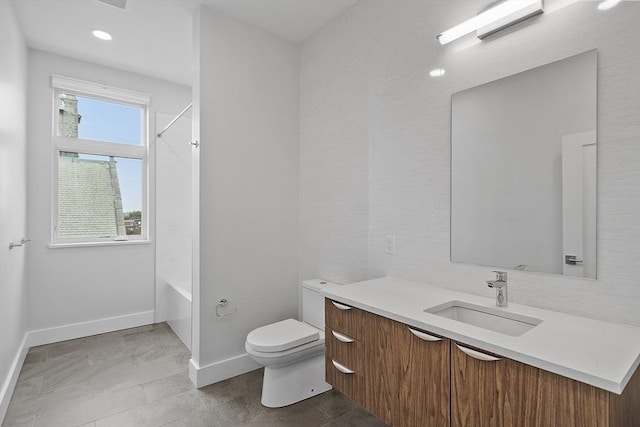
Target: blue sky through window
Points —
{"points": [[112, 122], [108, 121]]}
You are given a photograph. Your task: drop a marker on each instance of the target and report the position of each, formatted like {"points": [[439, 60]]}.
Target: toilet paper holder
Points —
{"points": [[221, 304]]}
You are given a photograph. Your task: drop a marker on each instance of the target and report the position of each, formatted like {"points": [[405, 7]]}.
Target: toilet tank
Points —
{"points": [[313, 302]]}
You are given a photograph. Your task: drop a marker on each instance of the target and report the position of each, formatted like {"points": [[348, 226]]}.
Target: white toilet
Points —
{"points": [[292, 352]]}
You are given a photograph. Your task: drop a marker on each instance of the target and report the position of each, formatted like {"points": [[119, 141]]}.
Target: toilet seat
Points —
{"points": [[281, 336]]}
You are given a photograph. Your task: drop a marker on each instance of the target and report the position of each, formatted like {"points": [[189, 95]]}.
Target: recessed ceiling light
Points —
{"points": [[437, 72], [102, 35], [607, 4]]}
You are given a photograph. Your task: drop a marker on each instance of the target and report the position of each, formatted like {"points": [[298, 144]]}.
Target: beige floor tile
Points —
{"points": [[167, 386], [35, 356], [202, 418], [333, 403], [301, 414], [53, 369], [129, 374], [27, 389], [139, 377], [89, 408], [20, 421], [357, 418], [157, 413], [247, 386]]}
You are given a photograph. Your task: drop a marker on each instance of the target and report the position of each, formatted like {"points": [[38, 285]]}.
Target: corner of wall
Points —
{"points": [[10, 381], [202, 376], [13, 202]]}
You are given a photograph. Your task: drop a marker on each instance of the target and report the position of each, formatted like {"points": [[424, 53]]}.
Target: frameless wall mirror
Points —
{"points": [[523, 170]]}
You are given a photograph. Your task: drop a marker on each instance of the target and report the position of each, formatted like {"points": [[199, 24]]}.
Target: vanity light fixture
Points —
{"points": [[499, 16], [437, 72], [102, 35], [607, 4]]}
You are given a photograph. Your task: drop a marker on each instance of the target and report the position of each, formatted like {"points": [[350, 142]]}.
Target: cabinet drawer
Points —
{"points": [[347, 353], [344, 366], [345, 319]]}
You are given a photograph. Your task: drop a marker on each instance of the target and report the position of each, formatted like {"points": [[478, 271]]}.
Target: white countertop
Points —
{"points": [[595, 352]]}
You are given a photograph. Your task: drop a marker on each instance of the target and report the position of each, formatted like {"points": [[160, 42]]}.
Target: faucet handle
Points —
{"points": [[501, 276]]}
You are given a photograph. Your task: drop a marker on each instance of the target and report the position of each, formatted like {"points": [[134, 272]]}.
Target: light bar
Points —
{"points": [[498, 17], [607, 4]]}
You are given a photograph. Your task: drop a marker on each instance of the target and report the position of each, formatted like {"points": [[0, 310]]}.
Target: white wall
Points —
{"points": [[375, 151], [13, 201], [173, 208], [246, 115], [84, 285]]}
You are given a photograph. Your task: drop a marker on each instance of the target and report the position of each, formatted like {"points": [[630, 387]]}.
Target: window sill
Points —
{"points": [[59, 245]]}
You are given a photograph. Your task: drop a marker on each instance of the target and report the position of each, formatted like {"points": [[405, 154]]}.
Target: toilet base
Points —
{"points": [[292, 383]]}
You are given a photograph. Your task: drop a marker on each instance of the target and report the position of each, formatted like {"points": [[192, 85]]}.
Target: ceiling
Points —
{"points": [[154, 37]]}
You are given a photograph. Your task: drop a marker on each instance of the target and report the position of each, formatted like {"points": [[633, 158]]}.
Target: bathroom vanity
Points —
{"points": [[388, 350]]}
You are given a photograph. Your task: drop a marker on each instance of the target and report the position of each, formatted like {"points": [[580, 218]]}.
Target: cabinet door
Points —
{"points": [[424, 386], [487, 390], [407, 375], [478, 393], [383, 368]]}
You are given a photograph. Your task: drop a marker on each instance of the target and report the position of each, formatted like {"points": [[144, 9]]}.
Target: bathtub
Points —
{"points": [[179, 310]]}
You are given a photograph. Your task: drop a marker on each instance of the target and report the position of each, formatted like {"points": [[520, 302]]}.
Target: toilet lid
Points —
{"points": [[281, 336]]}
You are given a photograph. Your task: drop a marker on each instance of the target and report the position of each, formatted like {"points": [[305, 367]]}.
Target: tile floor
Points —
{"points": [[139, 377]]}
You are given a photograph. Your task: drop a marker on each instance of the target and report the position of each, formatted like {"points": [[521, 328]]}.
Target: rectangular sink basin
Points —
{"points": [[485, 317]]}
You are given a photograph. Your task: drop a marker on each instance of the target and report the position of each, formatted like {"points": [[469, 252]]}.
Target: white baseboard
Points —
{"points": [[85, 329], [204, 375], [9, 383]]}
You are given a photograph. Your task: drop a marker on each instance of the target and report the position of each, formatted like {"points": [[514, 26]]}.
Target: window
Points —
{"points": [[100, 149]]}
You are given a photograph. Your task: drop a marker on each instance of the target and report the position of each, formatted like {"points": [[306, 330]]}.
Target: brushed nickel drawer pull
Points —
{"points": [[342, 368], [424, 336], [341, 306], [342, 338], [477, 355]]}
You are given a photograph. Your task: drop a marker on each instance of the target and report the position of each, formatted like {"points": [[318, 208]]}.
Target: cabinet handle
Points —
{"points": [[342, 338], [342, 368], [424, 336], [341, 306], [477, 355]]}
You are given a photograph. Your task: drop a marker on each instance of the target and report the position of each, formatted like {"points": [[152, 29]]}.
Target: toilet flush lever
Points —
{"points": [[221, 304]]}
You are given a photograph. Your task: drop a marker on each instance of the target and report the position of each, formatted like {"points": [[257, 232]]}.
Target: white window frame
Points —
{"points": [[66, 85]]}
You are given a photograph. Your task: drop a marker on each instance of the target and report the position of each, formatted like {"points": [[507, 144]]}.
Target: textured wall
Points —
{"points": [[375, 152]]}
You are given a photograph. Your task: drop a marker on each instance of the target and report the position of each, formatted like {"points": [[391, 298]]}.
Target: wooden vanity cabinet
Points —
{"points": [[488, 390], [345, 349], [414, 379], [407, 375], [400, 376]]}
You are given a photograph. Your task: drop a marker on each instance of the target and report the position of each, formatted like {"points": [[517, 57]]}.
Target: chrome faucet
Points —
{"points": [[500, 285]]}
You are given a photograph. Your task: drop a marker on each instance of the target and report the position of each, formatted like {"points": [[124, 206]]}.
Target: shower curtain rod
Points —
{"points": [[174, 120]]}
